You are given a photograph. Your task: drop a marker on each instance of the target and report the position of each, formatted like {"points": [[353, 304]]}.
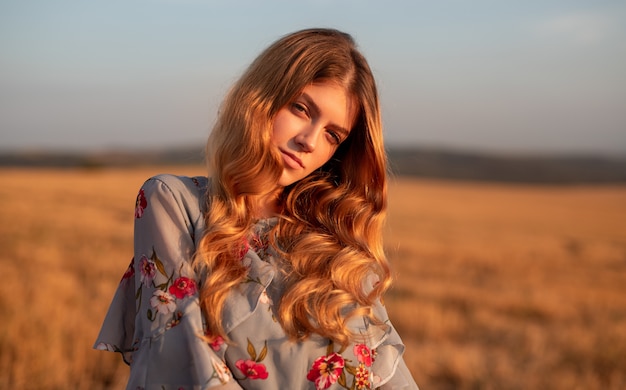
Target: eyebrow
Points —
{"points": [[345, 132]]}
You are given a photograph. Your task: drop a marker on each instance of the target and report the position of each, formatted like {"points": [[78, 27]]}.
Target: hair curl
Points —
{"points": [[330, 230]]}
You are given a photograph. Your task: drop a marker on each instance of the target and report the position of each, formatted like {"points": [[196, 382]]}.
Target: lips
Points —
{"points": [[291, 160]]}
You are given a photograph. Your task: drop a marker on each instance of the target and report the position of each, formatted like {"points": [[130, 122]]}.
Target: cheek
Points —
{"points": [[325, 156]]}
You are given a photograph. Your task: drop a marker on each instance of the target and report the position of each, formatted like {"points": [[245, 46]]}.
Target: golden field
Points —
{"points": [[498, 286]]}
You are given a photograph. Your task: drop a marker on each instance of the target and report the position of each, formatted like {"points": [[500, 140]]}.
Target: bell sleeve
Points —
{"points": [[155, 319], [379, 352]]}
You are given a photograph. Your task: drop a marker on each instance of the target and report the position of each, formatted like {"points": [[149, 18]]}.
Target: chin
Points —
{"points": [[287, 180], [285, 183]]}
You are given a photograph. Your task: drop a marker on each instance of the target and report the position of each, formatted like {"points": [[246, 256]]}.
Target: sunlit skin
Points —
{"points": [[309, 129]]}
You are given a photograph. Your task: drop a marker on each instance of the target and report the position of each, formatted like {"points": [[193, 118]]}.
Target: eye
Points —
{"points": [[334, 137], [299, 108]]}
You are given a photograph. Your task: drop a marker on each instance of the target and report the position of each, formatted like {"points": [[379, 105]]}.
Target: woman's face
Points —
{"points": [[308, 130]]}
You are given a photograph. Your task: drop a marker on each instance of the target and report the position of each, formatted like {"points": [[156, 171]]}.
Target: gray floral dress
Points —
{"points": [[155, 320]]}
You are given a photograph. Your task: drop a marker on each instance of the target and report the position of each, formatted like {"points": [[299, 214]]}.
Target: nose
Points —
{"points": [[307, 138]]}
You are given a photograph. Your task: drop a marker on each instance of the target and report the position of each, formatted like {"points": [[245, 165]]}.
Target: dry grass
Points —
{"points": [[499, 287], [510, 287], [66, 237]]}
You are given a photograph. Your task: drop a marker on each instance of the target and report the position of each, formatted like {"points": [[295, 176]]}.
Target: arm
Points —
{"points": [[168, 350]]}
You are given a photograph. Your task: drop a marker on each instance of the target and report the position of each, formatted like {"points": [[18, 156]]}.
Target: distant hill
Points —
{"points": [[507, 168], [120, 158], [416, 162]]}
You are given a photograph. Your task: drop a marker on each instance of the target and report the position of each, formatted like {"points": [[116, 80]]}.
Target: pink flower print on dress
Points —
{"points": [[140, 204], [163, 302], [216, 344], [183, 287], [252, 369], [176, 317], [362, 377], [363, 354], [148, 270], [130, 271], [326, 370], [243, 249], [221, 370]]}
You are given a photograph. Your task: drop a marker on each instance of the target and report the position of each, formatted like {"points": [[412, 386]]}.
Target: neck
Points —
{"points": [[267, 205]]}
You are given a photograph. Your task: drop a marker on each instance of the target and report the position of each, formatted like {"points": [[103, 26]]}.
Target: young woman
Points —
{"points": [[269, 274]]}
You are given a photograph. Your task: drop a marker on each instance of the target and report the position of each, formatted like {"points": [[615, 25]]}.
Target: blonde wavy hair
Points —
{"points": [[330, 228]]}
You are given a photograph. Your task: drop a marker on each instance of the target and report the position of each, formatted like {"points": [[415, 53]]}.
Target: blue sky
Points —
{"points": [[502, 76]]}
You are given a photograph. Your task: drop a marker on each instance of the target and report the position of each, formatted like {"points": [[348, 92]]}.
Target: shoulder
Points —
{"points": [[179, 187], [186, 193], [178, 184]]}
